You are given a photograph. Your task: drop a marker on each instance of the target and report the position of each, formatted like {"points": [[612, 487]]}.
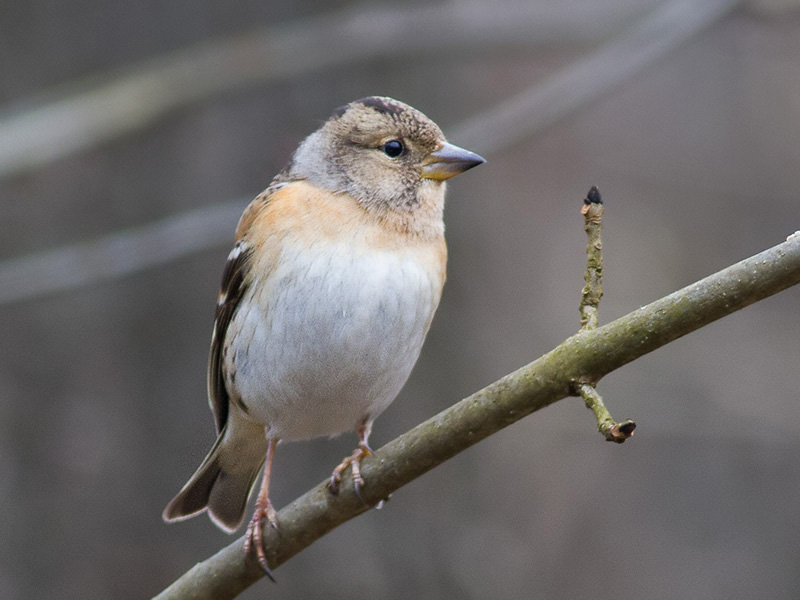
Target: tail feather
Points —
{"points": [[223, 482], [228, 498]]}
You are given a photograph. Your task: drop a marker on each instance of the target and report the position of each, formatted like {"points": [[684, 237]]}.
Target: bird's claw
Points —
{"points": [[354, 462], [254, 537]]}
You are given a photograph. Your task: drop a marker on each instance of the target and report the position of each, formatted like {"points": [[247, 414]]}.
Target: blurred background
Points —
{"points": [[132, 134]]}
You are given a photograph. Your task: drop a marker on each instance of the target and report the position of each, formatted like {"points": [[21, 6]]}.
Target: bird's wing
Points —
{"points": [[235, 282]]}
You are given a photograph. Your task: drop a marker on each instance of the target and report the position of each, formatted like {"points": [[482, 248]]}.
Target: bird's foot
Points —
{"points": [[254, 539], [354, 462]]}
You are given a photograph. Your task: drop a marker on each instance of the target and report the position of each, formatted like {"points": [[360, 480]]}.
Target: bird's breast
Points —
{"points": [[331, 335]]}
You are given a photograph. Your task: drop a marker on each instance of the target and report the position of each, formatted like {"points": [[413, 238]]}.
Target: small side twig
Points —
{"points": [[591, 294], [613, 431]]}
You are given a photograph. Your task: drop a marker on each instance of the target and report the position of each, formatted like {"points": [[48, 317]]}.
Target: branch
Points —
{"points": [[584, 358]]}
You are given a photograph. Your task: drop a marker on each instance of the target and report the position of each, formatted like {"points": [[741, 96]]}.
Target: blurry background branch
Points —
{"points": [[100, 111], [547, 101], [137, 99], [585, 357], [119, 253]]}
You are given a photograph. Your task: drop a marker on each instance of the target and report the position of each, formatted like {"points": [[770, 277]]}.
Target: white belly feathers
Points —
{"points": [[342, 332]]}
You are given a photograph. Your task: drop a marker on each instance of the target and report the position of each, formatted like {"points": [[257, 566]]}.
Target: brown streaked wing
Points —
{"points": [[233, 288], [234, 285]]}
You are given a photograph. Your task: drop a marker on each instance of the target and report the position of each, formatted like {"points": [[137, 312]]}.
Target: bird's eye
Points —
{"points": [[393, 148]]}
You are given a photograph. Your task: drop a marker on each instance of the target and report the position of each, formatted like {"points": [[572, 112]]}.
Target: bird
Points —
{"points": [[326, 299]]}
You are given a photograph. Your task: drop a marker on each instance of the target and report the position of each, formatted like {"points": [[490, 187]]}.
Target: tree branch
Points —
{"points": [[585, 357]]}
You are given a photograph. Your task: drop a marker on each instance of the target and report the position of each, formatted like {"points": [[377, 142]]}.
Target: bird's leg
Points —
{"points": [[354, 460], [254, 536]]}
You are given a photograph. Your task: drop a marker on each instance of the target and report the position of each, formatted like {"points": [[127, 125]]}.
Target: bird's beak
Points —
{"points": [[448, 161]]}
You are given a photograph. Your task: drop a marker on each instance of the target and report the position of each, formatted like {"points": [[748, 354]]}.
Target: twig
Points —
{"points": [[587, 356], [592, 211], [613, 431], [592, 292]]}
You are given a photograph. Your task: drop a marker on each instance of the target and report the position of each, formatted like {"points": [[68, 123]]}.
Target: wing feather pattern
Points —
{"points": [[234, 285]]}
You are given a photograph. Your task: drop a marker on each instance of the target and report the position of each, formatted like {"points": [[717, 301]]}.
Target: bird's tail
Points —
{"points": [[222, 484]]}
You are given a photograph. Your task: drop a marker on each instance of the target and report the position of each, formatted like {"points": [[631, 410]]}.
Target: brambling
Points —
{"points": [[326, 299]]}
